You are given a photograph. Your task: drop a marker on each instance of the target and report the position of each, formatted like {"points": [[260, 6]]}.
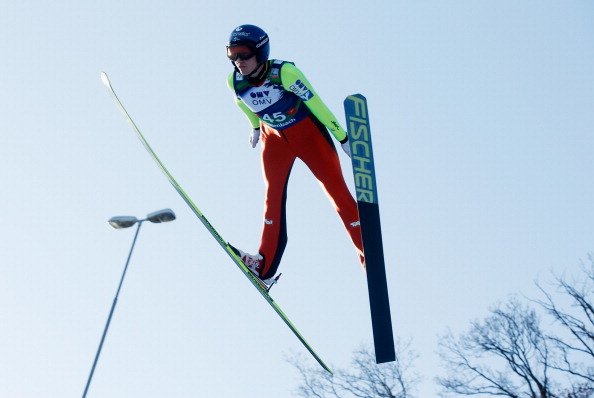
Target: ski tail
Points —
{"points": [[357, 117]]}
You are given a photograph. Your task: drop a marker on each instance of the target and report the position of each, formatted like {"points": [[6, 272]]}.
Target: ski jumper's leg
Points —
{"points": [[277, 162], [312, 143]]}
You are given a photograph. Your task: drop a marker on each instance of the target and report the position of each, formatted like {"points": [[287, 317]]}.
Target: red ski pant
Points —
{"points": [[310, 141]]}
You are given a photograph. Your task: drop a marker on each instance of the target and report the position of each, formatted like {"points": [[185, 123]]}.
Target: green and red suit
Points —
{"points": [[293, 121]]}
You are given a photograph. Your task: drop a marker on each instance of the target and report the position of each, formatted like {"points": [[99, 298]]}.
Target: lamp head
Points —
{"points": [[120, 222], [159, 216]]}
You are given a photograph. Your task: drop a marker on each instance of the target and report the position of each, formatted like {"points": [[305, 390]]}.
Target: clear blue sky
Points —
{"points": [[483, 122]]}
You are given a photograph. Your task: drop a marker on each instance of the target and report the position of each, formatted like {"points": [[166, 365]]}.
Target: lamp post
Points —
{"points": [[121, 222]]}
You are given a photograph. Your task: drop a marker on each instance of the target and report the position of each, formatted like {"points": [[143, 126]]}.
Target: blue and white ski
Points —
{"points": [[258, 284], [357, 118]]}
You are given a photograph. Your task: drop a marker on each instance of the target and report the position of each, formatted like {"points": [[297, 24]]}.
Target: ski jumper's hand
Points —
{"points": [[253, 119], [254, 136], [346, 147]]}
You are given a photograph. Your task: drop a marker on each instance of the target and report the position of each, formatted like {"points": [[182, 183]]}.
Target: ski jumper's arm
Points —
{"points": [[295, 81], [254, 120]]}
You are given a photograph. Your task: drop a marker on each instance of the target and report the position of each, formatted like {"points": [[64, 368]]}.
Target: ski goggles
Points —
{"points": [[240, 52]]}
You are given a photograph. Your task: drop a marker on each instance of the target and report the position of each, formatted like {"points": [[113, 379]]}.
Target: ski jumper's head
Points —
{"points": [[248, 49]]}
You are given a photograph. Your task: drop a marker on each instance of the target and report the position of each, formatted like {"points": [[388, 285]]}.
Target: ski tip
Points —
{"points": [[354, 97], [105, 79]]}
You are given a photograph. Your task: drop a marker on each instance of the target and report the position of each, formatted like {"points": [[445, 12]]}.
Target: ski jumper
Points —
{"points": [[293, 121]]}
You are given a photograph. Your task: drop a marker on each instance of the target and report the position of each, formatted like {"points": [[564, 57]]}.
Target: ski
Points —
{"points": [[357, 118], [258, 284]]}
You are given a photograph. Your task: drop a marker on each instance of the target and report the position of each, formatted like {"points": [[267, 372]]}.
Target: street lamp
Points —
{"points": [[121, 222]]}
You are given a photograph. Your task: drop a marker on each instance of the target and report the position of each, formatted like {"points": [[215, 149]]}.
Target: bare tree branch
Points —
{"points": [[509, 339], [509, 354], [576, 352]]}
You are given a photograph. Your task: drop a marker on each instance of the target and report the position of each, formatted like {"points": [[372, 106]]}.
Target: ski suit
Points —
{"points": [[293, 121]]}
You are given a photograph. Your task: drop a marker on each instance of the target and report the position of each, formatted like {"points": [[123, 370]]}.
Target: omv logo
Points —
{"points": [[261, 97], [301, 90]]}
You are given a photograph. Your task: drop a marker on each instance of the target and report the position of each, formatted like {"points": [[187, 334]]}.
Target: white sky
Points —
{"points": [[482, 119]]}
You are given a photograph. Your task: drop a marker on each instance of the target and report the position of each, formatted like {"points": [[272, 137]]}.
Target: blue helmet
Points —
{"points": [[251, 36]]}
